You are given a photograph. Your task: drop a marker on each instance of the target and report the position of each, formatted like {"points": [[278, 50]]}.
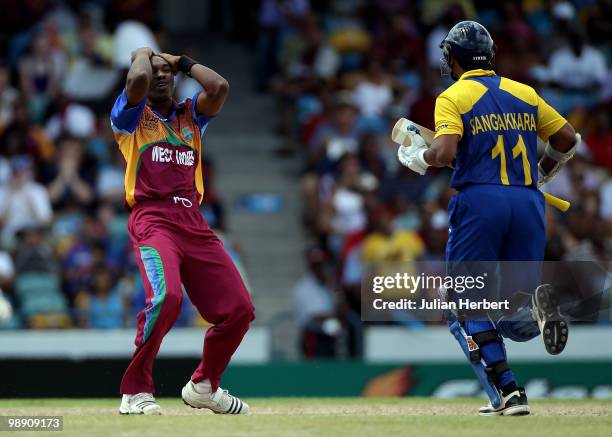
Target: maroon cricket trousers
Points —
{"points": [[174, 245]]}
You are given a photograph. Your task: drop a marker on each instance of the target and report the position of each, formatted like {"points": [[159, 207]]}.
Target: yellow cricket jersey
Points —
{"points": [[499, 121]]}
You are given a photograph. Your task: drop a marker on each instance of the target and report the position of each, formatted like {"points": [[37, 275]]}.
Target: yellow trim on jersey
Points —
{"points": [[461, 97], [130, 153], [519, 90], [199, 180], [458, 99], [476, 73]]}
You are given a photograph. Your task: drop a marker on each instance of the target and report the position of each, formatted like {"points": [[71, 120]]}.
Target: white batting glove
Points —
{"points": [[412, 156]]}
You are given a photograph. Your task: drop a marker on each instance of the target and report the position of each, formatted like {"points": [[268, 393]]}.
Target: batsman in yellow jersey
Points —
{"points": [[488, 127]]}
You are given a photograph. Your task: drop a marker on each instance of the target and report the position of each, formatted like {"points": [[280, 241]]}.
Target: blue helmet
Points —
{"points": [[470, 44]]}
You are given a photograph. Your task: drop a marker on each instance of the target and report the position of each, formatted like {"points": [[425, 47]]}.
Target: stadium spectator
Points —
{"points": [[315, 308], [73, 181], [24, 203], [37, 284], [8, 97], [275, 17], [384, 243], [374, 94], [599, 139], [578, 66], [35, 254], [343, 209], [109, 184], [24, 136], [40, 74], [85, 251], [101, 305], [7, 271], [6, 312]]}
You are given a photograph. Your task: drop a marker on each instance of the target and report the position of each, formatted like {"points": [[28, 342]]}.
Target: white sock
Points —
{"points": [[203, 387]]}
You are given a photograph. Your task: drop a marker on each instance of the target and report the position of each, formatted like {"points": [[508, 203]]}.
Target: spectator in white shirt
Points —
{"points": [[23, 202], [578, 66], [375, 94], [316, 309], [314, 298], [7, 270]]}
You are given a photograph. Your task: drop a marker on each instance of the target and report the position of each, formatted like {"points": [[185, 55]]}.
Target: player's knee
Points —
{"points": [[243, 313], [173, 302]]}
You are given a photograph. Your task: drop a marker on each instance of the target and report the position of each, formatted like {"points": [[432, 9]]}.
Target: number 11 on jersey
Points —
{"points": [[518, 149]]}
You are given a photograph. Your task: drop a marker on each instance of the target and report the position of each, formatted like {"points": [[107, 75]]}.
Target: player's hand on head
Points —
{"points": [[146, 51], [172, 60]]}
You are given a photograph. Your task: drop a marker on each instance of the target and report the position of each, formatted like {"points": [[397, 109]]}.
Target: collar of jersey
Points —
{"points": [[478, 72], [170, 117]]}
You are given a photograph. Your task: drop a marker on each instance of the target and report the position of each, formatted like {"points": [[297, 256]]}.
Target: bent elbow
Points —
{"points": [[137, 78], [564, 139], [224, 86], [569, 133], [219, 89]]}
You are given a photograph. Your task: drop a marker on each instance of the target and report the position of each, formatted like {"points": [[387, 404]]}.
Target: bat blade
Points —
{"points": [[399, 134]]}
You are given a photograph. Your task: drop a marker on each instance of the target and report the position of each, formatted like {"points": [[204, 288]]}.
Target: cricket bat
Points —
{"points": [[399, 135]]}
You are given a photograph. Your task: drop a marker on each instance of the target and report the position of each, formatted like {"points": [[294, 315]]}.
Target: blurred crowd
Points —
{"points": [[343, 72], [65, 256]]}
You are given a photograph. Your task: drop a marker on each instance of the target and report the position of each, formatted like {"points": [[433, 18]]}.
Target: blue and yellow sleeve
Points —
{"points": [[549, 120], [200, 119], [456, 100], [447, 118], [125, 118]]}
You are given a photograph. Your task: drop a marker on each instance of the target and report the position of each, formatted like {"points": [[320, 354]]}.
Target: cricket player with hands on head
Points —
{"points": [[161, 141], [487, 127]]}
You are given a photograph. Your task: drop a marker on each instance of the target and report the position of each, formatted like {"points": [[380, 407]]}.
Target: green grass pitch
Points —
{"points": [[324, 417]]}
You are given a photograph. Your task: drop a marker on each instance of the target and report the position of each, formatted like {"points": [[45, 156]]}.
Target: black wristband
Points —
{"points": [[184, 64]]}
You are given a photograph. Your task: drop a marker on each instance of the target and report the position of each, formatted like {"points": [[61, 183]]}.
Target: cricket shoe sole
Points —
{"points": [[552, 324]]}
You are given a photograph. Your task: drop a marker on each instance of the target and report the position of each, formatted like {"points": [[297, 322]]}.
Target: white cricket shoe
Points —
{"points": [[141, 403], [200, 395], [514, 404]]}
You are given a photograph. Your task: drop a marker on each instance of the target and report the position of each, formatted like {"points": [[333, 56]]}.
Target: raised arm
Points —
{"points": [[211, 100], [139, 76], [215, 87]]}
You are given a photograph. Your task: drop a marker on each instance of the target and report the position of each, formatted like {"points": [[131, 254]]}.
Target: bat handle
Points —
{"points": [[560, 204]]}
